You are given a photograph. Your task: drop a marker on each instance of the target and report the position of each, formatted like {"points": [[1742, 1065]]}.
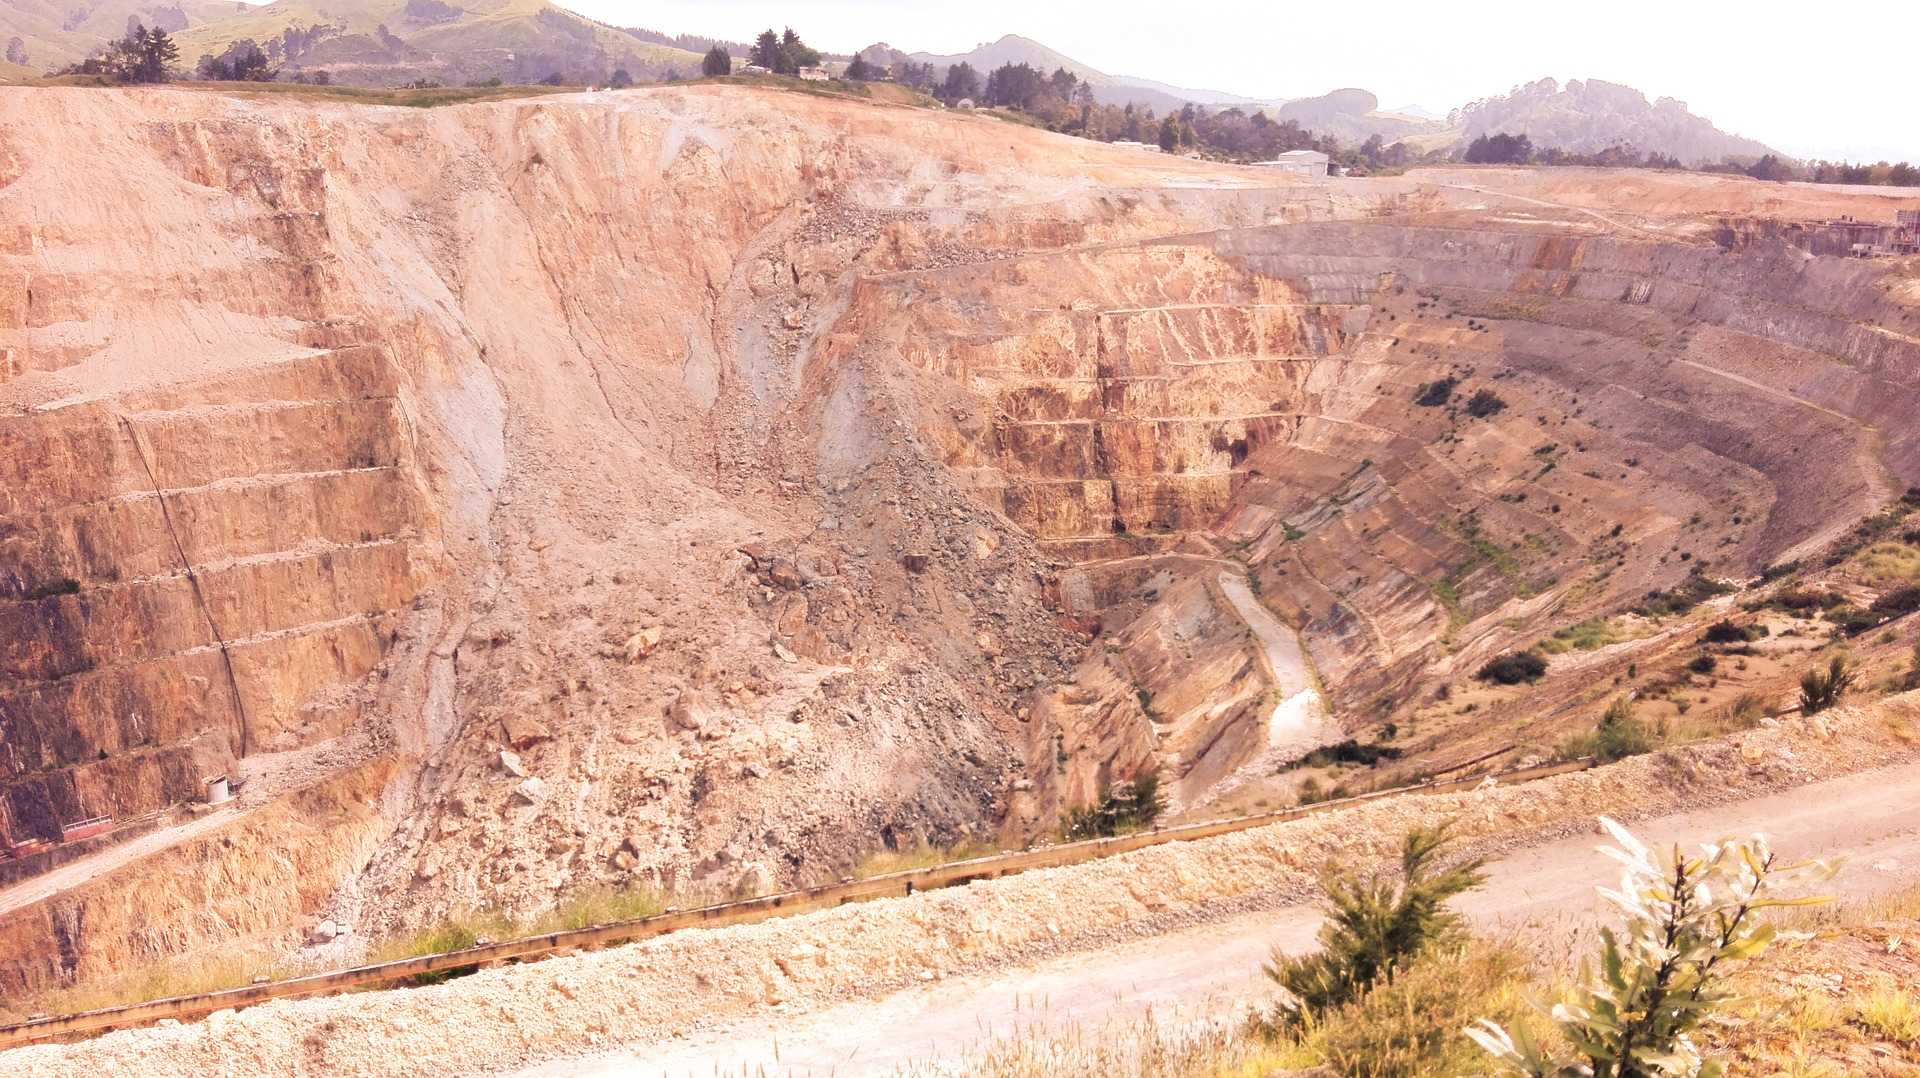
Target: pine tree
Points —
{"points": [[766, 51], [794, 54], [719, 61], [1170, 134], [1376, 926], [962, 82]]}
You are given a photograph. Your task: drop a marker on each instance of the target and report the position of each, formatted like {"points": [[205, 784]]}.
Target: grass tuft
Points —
{"points": [[1891, 1015], [921, 856]]}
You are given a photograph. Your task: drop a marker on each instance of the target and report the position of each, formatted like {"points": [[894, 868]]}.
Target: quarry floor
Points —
{"points": [[1865, 819]]}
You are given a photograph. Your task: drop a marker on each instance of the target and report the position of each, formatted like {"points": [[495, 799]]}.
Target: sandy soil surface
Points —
{"points": [[1182, 973]]}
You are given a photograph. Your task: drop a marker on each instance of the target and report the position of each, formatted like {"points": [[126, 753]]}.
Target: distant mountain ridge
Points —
{"points": [[1107, 89], [1589, 116], [391, 42], [1349, 115]]}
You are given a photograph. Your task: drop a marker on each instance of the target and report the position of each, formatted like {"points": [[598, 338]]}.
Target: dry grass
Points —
{"points": [[1889, 565], [921, 856], [1835, 997], [1413, 1025], [185, 977], [1144, 1049], [598, 906], [180, 977], [363, 95], [1890, 1014], [1589, 635], [1406, 1028]]}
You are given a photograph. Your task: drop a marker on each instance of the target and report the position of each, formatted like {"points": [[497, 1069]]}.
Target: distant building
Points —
{"points": [[754, 69], [963, 103], [1906, 232], [814, 74], [1865, 239], [1131, 144], [1303, 162]]}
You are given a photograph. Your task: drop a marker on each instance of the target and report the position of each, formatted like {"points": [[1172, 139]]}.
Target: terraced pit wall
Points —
{"points": [[1255, 390], [187, 578]]}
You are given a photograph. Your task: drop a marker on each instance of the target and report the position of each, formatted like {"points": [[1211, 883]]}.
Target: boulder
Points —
{"points": [[523, 731], [688, 712], [641, 644]]}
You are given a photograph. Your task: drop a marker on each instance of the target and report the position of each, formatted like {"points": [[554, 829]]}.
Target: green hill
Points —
{"points": [[386, 42], [37, 36], [375, 42]]}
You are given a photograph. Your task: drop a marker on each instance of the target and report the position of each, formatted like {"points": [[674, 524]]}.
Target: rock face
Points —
{"points": [[188, 577], [439, 436], [1303, 397], [1590, 116], [706, 487]]}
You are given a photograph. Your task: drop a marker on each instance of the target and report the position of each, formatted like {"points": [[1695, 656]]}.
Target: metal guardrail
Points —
{"points": [[745, 911]]}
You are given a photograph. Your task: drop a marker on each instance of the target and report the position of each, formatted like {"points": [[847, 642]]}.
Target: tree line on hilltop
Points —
{"points": [[1517, 149], [1060, 101]]}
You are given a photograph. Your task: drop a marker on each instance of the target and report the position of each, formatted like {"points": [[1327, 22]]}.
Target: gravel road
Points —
{"points": [[42, 887], [1863, 818]]}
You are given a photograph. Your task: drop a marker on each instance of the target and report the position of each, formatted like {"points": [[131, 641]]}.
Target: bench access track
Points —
{"points": [[746, 911]]}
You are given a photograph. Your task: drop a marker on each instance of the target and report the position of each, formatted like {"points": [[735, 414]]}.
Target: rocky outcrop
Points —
{"points": [[1591, 116]]}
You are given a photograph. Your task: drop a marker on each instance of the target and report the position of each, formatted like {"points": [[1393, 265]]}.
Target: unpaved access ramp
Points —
{"points": [[1213, 969], [855, 989]]}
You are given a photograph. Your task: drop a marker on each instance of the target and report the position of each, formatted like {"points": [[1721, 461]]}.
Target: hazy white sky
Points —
{"points": [[1813, 79]]}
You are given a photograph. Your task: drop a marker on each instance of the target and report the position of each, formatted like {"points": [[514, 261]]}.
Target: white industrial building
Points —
{"points": [[1304, 162]]}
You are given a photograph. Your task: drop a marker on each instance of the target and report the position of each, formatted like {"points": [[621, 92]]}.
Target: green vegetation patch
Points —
{"points": [[1681, 598], [1436, 394], [1447, 594], [923, 855], [1889, 564], [1589, 635], [1485, 404], [1513, 668], [595, 906], [1345, 752], [1124, 809]]}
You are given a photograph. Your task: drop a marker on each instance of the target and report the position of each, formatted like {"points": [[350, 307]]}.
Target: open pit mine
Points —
{"points": [[409, 513]]}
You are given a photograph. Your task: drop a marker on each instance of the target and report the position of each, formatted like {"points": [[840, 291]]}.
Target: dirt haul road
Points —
{"points": [[1863, 819]]}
